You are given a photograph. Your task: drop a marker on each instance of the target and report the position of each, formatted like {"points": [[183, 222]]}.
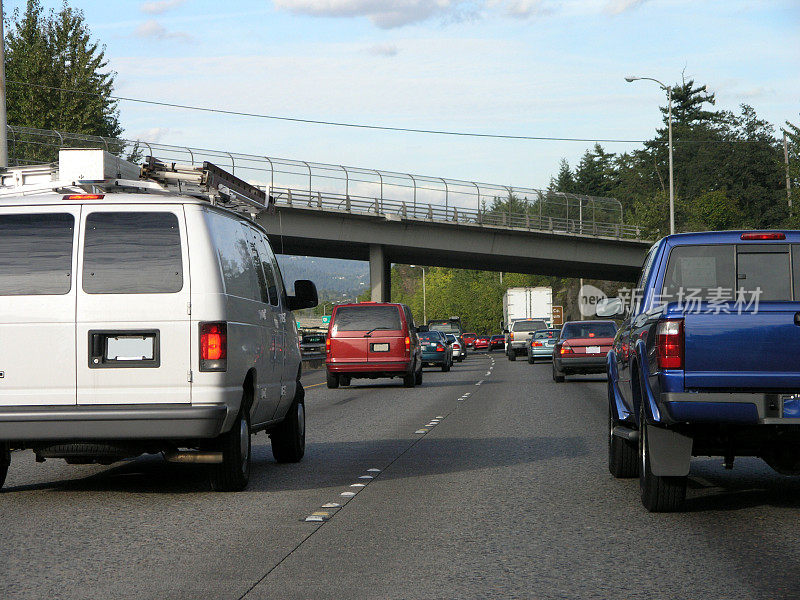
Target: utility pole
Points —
{"points": [[788, 179], [3, 120]]}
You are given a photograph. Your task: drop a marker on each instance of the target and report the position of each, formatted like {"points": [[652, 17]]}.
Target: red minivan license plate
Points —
{"points": [[380, 347]]}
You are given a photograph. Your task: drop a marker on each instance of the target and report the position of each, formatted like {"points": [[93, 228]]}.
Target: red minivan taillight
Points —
{"points": [[328, 346], [408, 345], [213, 346], [669, 340]]}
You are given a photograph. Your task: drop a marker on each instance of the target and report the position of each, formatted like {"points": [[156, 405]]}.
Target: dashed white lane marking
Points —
{"points": [[480, 382], [347, 494], [366, 477], [317, 518], [468, 394], [421, 431], [331, 505], [373, 470], [488, 373], [358, 485]]}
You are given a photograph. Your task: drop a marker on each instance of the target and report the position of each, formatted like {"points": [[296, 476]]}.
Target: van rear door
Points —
{"points": [[133, 336], [37, 305], [366, 333]]}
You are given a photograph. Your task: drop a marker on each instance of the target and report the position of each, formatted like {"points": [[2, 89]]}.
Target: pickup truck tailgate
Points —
{"points": [[751, 350]]}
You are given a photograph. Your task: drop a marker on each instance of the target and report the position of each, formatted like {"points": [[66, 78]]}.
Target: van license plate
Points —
{"points": [[592, 349], [380, 347], [129, 348]]}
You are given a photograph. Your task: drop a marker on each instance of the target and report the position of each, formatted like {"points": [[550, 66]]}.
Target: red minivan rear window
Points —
{"points": [[364, 318]]}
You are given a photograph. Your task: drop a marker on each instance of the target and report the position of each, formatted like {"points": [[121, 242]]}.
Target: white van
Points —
{"points": [[135, 323]]}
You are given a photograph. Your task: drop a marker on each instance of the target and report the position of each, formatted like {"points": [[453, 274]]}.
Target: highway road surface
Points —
{"points": [[488, 481]]}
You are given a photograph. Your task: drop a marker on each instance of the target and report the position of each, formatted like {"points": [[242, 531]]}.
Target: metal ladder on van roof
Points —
{"points": [[93, 170]]}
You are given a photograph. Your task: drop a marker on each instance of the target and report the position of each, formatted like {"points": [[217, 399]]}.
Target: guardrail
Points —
{"points": [[357, 189], [530, 220]]}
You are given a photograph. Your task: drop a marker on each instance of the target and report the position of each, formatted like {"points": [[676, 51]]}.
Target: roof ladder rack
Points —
{"points": [[208, 180]]}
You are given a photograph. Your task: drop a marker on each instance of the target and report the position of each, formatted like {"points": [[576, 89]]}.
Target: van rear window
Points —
{"points": [[36, 254], [364, 318], [132, 253]]}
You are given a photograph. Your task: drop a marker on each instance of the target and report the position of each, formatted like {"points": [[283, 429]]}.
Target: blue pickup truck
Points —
{"points": [[707, 360]]}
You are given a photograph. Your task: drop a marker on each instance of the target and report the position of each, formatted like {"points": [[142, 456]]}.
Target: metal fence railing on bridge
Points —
{"points": [[331, 187]]}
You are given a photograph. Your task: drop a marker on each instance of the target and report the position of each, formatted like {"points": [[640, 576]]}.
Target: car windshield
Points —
{"points": [[545, 335], [527, 325], [601, 329], [430, 336], [366, 318]]}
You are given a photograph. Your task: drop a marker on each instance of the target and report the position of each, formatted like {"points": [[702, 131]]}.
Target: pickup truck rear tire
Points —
{"points": [[233, 473], [5, 461], [623, 456], [659, 494], [332, 380], [289, 439]]}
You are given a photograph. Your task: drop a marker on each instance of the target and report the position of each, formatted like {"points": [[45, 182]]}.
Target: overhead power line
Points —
{"points": [[372, 127]]}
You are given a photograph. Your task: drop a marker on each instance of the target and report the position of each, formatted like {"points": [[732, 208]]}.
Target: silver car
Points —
{"points": [[540, 346]]}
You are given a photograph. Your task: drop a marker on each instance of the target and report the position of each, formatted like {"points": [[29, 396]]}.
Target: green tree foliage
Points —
{"points": [[56, 49]]}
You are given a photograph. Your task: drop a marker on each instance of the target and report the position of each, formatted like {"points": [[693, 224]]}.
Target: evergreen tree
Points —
{"points": [[56, 49]]}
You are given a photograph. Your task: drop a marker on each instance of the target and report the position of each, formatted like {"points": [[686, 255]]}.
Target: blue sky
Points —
{"points": [[523, 67]]}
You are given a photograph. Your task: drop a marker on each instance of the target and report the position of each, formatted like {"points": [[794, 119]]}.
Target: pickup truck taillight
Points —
{"points": [[566, 349], [213, 346], [328, 346], [669, 336]]}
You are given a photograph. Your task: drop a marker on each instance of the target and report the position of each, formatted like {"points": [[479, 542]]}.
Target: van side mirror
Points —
{"points": [[610, 307], [305, 295]]}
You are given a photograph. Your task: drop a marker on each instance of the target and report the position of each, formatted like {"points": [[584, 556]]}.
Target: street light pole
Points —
{"points": [[668, 89], [3, 121], [424, 303]]}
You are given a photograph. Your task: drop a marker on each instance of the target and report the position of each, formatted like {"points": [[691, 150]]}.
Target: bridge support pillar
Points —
{"points": [[379, 274]]}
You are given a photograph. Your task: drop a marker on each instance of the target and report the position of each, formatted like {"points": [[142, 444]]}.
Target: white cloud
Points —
{"points": [[154, 30], [616, 7], [385, 14], [153, 134], [389, 14], [383, 50], [157, 7]]}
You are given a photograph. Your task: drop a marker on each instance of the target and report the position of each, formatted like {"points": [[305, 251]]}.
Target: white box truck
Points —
{"points": [[525, 310]]}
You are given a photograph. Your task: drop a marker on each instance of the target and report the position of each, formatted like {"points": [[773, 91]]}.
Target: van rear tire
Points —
{"points": [[409, 380], [418, 377], [289, 438], [5, 461], [332, 379], [233, 473]]}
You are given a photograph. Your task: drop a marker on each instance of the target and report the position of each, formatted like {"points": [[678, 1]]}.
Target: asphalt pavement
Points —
{"points": [[488, 481]]}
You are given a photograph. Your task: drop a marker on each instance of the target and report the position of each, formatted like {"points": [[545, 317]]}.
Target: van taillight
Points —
{"points": [[669, 336], [213, 346], [328, 345], [408, 345]]}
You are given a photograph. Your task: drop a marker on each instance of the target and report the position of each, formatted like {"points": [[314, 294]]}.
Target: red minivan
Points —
{"points": [[372, 340]]}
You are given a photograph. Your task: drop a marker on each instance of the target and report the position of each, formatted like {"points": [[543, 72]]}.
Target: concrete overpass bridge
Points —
{"points": [[386, 217]]}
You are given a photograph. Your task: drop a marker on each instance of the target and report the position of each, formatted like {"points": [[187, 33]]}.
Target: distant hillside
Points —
{"points": [[333, 277]]}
